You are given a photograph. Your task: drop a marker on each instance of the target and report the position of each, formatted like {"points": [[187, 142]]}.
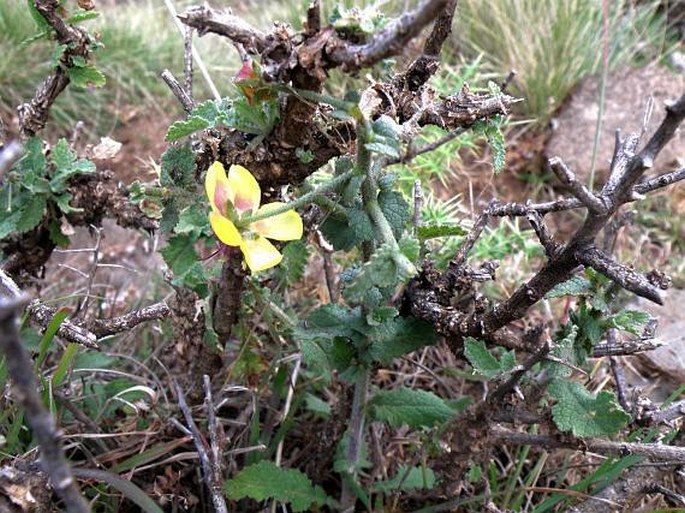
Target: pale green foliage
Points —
{"points": [[334, 336], [415, 408], [564, 350], [406, 479], [433, 231], [86, 76], [265, 480], [482, 360], [37, 182], [387, 267], [574, 286], [256, 119], [384, 138], [583, 413]]}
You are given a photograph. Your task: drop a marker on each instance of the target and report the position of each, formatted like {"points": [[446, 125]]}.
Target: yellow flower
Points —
{"points": [[235, 199]]}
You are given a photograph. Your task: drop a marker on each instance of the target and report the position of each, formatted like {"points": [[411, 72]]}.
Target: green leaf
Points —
{"points": [[585, 414], [313, 354], [169, 215], [193, 220], [590, 326], [195, 279], [56, 234], [180, 129], [206, 115], [41, 23], [628, 320], [81, 15], [432, 231], [334, 320], [380, 315], [257, 118], [575, 286], [482, 361], [8, 222], [337, 231], [32, 39], [407, 479], [564, 350], [65, 166], [317, 405], [31, 213], [63, 203], [57, 54], [33, 166], [328, 334], [410, 248], [178, 168], [304, 156], [179, 253], [84, 76], [396, 211], [499, 149], [474, 474], [345, 232], [400, 336], [416, 408], [79, 61], [386, 268], [294, 263], [383, 149], [380, 271], [493, 133], [360, 224], [265, 480]]}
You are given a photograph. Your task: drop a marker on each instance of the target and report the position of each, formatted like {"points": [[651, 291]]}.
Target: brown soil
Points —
{"points": [[142, 139]]}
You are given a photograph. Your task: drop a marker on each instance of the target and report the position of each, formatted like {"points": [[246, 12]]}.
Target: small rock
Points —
{"points": [[626, 95], [667, 361]]}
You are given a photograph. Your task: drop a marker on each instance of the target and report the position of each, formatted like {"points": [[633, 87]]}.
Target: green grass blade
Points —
{"points": [[49, 335], [65, 364], [127, 488]]}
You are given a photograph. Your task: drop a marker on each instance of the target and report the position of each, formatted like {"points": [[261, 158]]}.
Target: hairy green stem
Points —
{"points": [[355, 436], [303, 200], [370, 190]]}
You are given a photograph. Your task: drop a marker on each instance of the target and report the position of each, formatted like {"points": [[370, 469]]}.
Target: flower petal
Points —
{"points": [[285, 226], [225, 230], [245, 189], [259, 253], [217, 187]]}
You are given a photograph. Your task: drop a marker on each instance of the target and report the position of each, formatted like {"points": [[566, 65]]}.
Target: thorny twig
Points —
{"points": [[188, 60], [328, 267], [617, 373], [20, 369], [33, 115], [85, 334], [179, 92], [213, 427], [208, 470], [579, 250], [500, 209], [654, 451]]}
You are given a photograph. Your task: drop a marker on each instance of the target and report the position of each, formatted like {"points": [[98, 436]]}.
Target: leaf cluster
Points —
{"points": [[344, 339], [38, 184], [252, 116]]}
